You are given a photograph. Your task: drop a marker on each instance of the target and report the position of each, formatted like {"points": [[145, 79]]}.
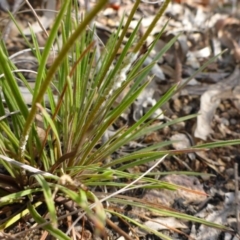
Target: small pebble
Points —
{"points": [[233, 121], [225, 121]]}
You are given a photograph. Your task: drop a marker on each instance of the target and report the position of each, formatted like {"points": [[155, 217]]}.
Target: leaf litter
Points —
{"points": [[207, 28]]}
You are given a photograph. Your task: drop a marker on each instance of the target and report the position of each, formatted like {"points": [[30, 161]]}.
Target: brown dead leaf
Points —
{"points": [[195, 194], [161, 223], [228, 31], [210, 100], [180, 141]]}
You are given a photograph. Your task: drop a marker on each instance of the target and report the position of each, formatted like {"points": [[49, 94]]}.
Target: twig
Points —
{"points": [[117, 229], [44, 235], [37, 18]]}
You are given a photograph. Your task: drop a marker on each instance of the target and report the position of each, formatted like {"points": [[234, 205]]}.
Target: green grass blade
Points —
{"points": [[53, 231]]}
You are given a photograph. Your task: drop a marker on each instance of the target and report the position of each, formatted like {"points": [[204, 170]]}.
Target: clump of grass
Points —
{"points": [[57, 150]]}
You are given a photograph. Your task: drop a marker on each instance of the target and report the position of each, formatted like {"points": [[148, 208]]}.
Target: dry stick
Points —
{"points": [[165, 225], [44, 235], [236, 193], [117, 229], [69, 222], [37, 18]]}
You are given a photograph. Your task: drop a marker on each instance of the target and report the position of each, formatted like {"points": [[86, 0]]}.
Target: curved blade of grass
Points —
{"points": [[81, 199], [216, 144], [11, 86], [53, 231], [98, 216], [48, 199], [9, 134], [163, 212], [17, 217], [13, 197], [137, 223]]}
